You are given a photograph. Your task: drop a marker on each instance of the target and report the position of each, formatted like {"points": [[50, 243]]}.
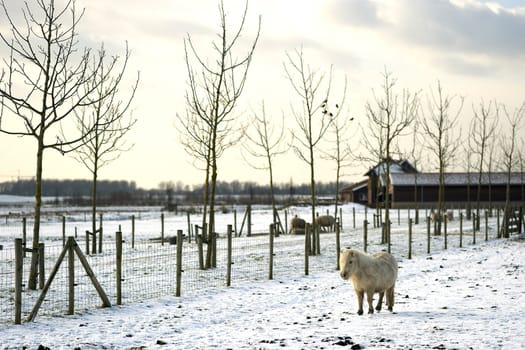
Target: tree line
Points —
{"points": [[116, 192], [65, 188]]}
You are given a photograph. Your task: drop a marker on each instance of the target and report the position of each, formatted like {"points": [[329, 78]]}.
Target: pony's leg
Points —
{"points": [[390, 298], [360, 295], [380, 301], [370, 299]]}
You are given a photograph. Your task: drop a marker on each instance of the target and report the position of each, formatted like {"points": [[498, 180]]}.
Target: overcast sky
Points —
{"points": [[475, 48]]}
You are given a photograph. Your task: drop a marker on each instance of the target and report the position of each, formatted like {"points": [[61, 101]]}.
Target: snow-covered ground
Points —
{"points": [[461, 298], [470, 298]]}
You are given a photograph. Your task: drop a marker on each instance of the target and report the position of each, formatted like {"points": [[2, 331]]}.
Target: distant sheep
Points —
{"points": [[325, 222], [297, 226], [370, 274], [449, 216]]}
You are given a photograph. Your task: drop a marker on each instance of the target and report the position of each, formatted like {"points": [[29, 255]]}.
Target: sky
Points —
{"points": [[474, 48]]}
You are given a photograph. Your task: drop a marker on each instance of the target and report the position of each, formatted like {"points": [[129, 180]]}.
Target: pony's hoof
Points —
{"points": [[370, 311], [359, 312]]}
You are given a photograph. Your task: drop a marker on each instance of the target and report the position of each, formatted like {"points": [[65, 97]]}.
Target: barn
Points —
{"points": [[409, 186]]}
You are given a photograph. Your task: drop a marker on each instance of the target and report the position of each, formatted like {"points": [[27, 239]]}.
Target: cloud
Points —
{"points": [[466, 66], [466, 26], [359, 13], [471, 28]]}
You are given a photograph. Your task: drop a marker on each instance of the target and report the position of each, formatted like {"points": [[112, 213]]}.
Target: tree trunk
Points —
{"points": [[33, 271], [94, 208], [312, 193], [441, 195], [211, 221]]}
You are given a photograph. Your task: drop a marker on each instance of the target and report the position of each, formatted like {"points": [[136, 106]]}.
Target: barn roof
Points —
{"points": [[454, 179], [396, 166]]}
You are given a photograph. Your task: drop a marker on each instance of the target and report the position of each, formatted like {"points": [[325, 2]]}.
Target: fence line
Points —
{"points": [[148, 268]]}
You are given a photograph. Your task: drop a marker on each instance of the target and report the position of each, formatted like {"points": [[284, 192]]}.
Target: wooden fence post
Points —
{"points": [[445, 221], [63, 231], [365, 235], [161, 228], [388, 235], [94, 241], [270, 268], [24, 234], [337, 243], [428, 234], [214, 249], [132, 231], [179, 262], [353, 217], [87, 242], [189, 226], [200, 243], [474, 218], [461, 229], [229, 256], [235, 222], [100, 232], [306, 248], [317, 240], [249, 228], [19, 272], [498, 224], [41, 266], [286, 221], [410, 238], [71, 243], [71, 280], [486, 225], [118, 243]]}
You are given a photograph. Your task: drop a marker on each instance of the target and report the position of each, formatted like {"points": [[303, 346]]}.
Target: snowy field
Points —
{"points": [[462, 298]]}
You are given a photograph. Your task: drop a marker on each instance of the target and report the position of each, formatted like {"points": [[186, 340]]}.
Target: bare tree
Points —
{"points": [[491, 148], [440, 127], [265, 141], [213, 92], [521, 155], [415, 154], [312, 118], [468, 150], [44, 80], [389, 115], [483, 131], [338, 137], [508, 145], [195, 135], [111, 121], [340, 152]]}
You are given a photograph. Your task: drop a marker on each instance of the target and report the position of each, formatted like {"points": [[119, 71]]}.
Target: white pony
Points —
{"points": [[370, 274]]}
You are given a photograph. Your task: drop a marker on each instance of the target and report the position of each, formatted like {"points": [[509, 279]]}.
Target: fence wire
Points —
{"points": [[149, 267]]}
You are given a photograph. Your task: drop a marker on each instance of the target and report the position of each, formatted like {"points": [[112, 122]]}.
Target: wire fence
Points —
{"points": [[149, 268]]}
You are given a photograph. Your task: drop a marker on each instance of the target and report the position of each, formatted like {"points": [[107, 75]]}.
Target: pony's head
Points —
{"points": [[347, 263]]}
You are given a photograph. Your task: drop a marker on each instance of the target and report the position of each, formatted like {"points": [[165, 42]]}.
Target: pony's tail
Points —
{"points": [[390, 298]]}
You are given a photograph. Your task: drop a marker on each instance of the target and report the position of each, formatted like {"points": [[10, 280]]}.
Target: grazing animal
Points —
{"points": [[325, 222], [448, 215], [370, 274], [297, 226]]}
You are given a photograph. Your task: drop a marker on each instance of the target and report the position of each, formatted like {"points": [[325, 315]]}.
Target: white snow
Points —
{"points": [[461, 298]]}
